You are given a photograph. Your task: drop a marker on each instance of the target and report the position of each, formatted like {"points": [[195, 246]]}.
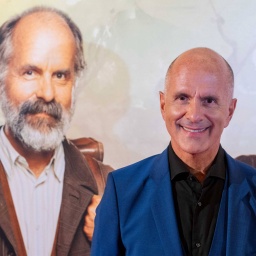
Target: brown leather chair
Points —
{"points": [[90, 146], [248, 159], [93, 152]]}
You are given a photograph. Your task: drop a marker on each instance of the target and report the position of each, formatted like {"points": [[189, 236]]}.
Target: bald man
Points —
{"points": [[45, 182], [192, 199]]}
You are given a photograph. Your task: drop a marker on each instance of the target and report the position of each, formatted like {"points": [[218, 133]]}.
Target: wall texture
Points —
{"points": [[129, 45]]}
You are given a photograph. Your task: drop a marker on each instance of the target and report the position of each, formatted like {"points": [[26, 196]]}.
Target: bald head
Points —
{"points": [[197, 105], [43, 32], [43, 22], [202, 59]]}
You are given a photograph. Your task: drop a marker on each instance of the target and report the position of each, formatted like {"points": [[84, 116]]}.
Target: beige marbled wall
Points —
{"points": [[129, 45]]}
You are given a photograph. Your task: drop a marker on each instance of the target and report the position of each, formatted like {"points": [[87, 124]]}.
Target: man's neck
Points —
{"points": [[198, 164], [37, 161], [198, 168]]}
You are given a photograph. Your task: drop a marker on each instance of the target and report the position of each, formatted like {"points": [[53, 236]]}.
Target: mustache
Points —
{"points": [[52, 108]]}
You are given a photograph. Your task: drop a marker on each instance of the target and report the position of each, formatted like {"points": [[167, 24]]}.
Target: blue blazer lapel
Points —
{"points": [[236, 224], [241, 222], [163, 208], [218, 246]]}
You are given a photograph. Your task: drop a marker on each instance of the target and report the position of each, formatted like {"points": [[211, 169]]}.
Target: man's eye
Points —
{"points": [[182, 98], [29, 73], [60, 75], [210, 100]]}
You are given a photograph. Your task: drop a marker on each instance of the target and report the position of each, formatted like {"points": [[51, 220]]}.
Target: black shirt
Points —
{"points": [[197, 204]]}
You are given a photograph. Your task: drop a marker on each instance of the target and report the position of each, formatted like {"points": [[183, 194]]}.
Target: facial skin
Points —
{"points": [[197, 105], [41, 69]]}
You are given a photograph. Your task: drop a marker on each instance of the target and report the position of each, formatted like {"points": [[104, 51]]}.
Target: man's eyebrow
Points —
{"points": [[210, 96], [65, 72], [180, 94], [30, 67]]}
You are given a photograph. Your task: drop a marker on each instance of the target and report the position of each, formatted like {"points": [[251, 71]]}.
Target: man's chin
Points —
{"points": [[193, 148], [187, 148]]}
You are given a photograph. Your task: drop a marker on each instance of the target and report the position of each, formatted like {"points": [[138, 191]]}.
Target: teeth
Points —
{"points": [[193, 130]]}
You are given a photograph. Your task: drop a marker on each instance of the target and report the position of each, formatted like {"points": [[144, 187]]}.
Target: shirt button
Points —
{"points": [[199, 204], [198, 245]]}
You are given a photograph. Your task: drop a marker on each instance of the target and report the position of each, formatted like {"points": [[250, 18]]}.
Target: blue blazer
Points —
{"points": [[136, 216]]}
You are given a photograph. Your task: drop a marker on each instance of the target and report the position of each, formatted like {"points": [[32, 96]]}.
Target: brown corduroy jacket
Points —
{"points": [[78, 188]]}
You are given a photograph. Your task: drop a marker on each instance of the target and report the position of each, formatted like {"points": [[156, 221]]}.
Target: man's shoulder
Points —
{"points": [[77, 168], [73, 157], [85, 164], [70, 148], [238, 171], [240, 166], [142, 168]]}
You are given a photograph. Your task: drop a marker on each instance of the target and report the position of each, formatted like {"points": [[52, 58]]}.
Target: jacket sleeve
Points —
{"points": [[107, 238]]}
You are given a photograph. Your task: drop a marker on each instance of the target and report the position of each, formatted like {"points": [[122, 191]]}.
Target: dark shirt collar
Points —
{"points": [[179, 169]]}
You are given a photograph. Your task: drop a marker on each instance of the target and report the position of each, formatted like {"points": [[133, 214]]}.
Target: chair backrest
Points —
{"points": [[90, 146], [93, 152], [248, 159]]}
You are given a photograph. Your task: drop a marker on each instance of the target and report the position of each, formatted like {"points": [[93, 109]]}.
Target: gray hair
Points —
{"points": [[6, 46]]}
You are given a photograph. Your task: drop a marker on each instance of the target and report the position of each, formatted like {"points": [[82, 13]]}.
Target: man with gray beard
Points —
{"points": [[46, 184]]}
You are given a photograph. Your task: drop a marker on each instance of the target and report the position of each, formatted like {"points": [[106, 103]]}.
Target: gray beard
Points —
{"points": [[40, 134], [39, 140]]}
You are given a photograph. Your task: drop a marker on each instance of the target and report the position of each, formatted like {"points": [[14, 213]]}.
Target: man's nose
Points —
{"points": [[194, 111], [46, 90]]}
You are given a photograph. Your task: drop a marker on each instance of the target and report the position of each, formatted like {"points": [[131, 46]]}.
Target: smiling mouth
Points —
{"points": [[194, 130]]}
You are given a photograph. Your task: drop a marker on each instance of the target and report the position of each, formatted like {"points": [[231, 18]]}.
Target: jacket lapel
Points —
{"points": [[5, 222], [78, 188], [219, 238], [237, 210], [163, 208], [241, 222], [10, 223]]}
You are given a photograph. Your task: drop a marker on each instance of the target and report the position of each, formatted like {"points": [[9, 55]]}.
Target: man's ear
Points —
{"points": [[162, 104], [231, 109]]}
